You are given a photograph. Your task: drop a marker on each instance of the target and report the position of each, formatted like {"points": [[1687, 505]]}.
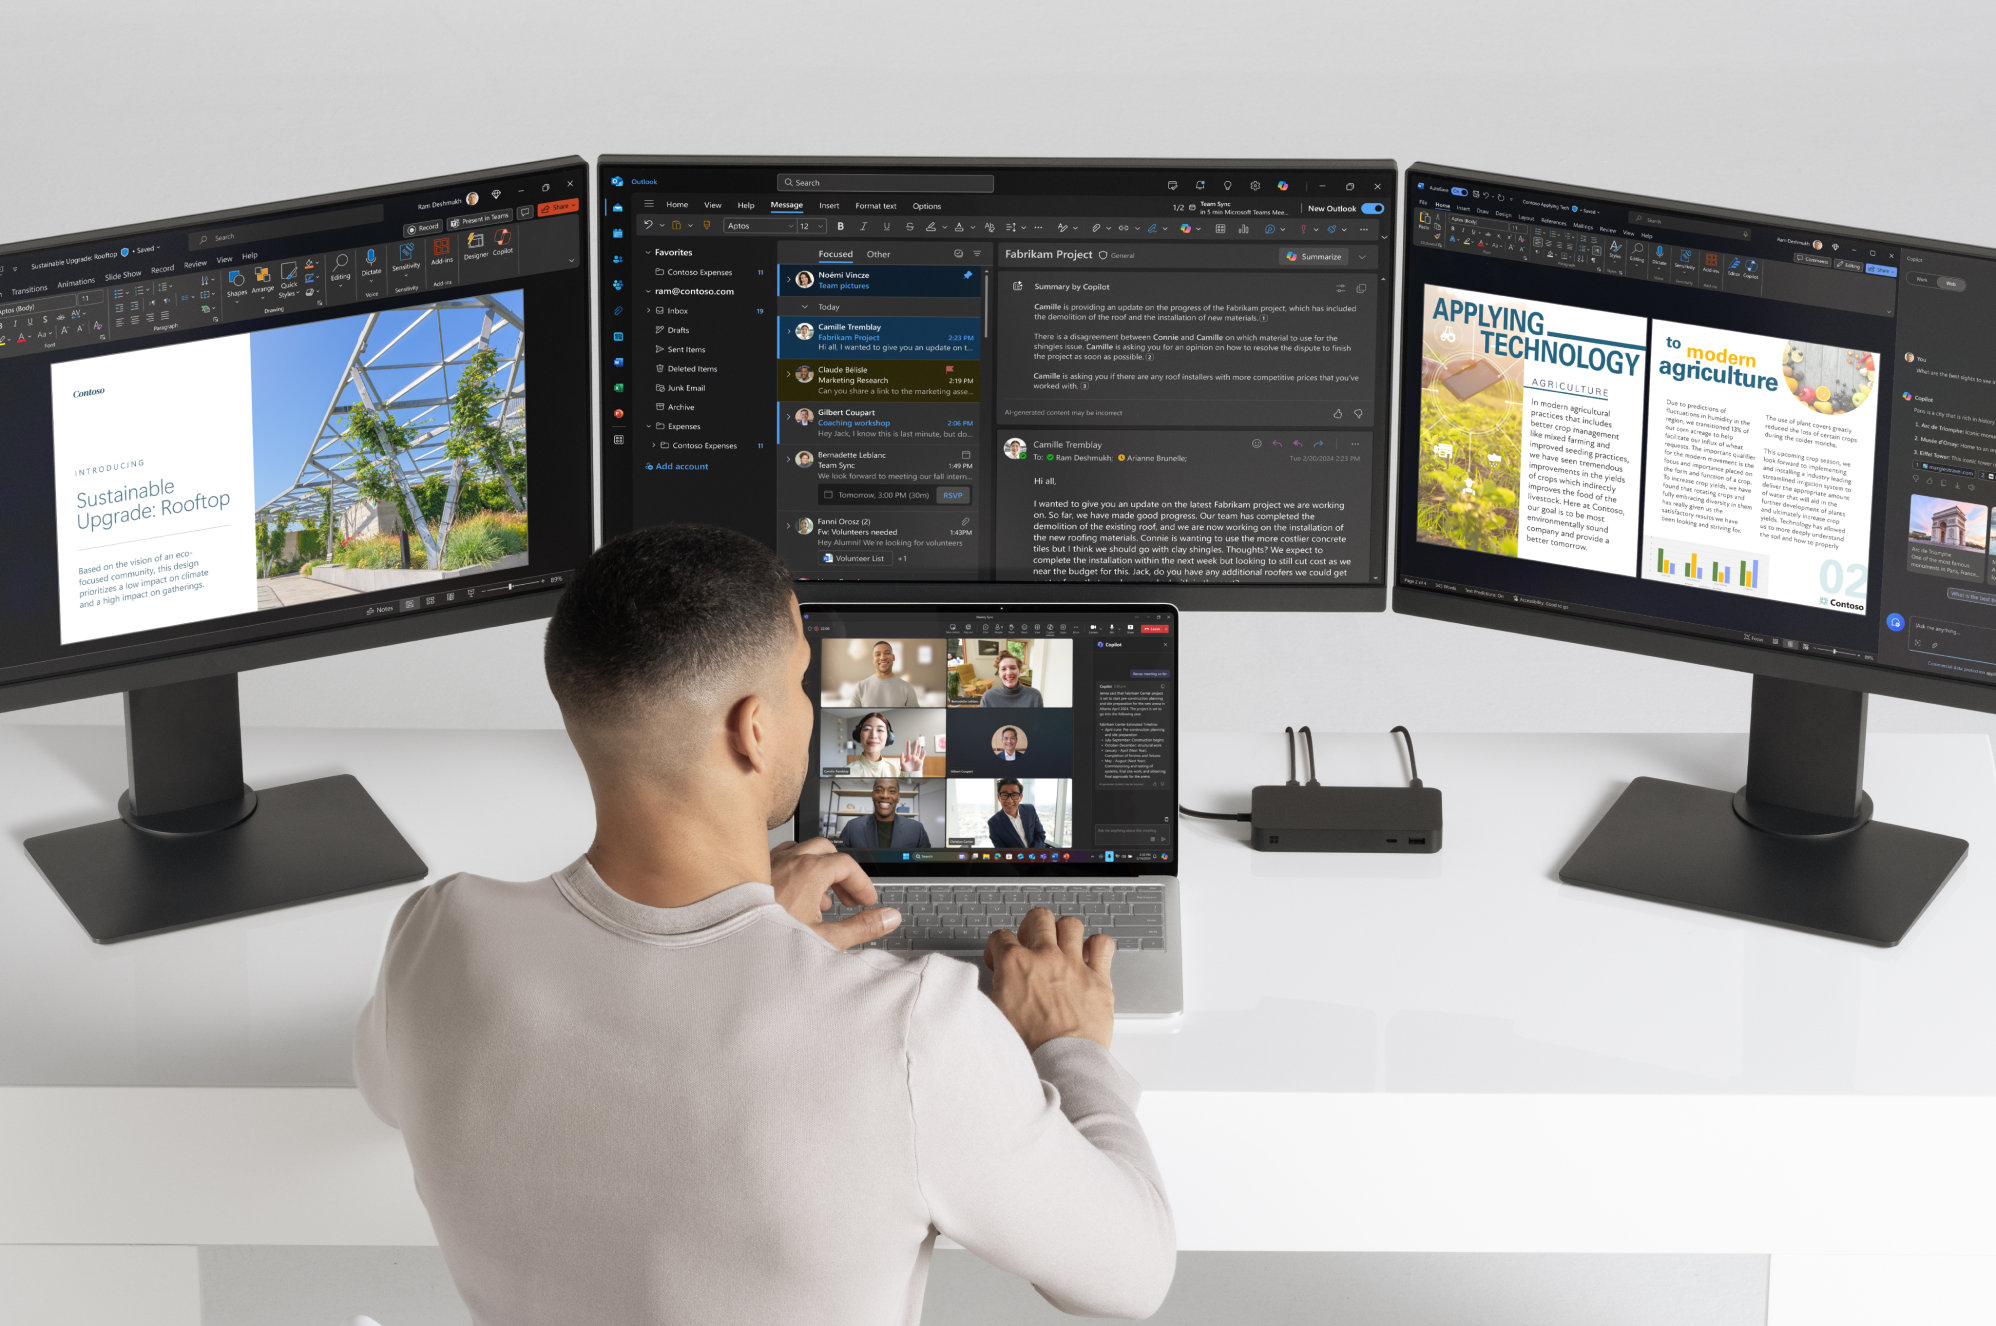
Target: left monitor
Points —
{"points": [[271, 434]]}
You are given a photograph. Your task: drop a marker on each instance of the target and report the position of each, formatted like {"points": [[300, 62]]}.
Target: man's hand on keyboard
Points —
{"points": [[811, 878], [1049, 983]]}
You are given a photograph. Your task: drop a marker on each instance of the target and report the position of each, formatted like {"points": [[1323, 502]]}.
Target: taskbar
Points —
{"points": [[1759, 639], [440, 597], [969, 856]]}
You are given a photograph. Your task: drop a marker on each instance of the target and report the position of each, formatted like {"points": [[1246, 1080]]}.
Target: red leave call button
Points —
{"points": [[558, 207], [1155, 630]]}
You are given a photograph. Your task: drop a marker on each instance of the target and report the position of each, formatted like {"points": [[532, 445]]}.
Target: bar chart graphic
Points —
{"points": [[1706, 566]]}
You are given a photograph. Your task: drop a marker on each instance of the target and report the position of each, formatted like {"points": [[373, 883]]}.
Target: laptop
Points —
{"points": [[981, 760]]}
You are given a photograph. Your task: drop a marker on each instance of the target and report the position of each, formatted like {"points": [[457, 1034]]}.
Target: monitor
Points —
{"points": [[1084, 378], [1725, 438], [270, 434], [927, 715]]}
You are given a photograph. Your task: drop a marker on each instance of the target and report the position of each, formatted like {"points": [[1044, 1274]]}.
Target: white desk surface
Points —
{"points": [[1444, 1053], [1472, 970]]}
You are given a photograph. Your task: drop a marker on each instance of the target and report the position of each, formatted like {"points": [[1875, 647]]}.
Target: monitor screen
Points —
{"points": [[1765, 433], [225, 429], [1090, 378], [995, 739]]}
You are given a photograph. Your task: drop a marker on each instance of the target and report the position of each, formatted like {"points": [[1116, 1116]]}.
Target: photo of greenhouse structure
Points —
{"points": [[393, 449]]}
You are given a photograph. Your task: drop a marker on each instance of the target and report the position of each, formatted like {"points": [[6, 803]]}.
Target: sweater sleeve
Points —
{"points": [[1035, 1163], [370, 1040]]}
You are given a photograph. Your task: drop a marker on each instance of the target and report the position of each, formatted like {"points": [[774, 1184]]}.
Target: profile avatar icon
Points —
{"points": [[805, 460], [805, 415], [805, 524], [805, 331], [1007, 742], [805, 280], [1015, 448], [804, 373]]}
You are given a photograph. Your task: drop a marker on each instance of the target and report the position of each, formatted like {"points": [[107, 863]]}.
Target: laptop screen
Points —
{"points": [[989, 740]]}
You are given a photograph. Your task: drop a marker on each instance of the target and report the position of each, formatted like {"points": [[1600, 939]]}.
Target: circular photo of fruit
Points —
{"points": [[1827, 379]]}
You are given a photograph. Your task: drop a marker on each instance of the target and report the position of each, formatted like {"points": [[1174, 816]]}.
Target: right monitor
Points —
{"points": [[1731, 439], [1737, 436]]}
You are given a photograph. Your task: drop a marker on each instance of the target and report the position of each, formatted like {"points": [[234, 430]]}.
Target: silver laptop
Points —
{"points": [[981, 760]]}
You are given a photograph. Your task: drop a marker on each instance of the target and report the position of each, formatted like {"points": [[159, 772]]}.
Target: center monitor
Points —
{"points": [[1089, 378], [1732, 439]]}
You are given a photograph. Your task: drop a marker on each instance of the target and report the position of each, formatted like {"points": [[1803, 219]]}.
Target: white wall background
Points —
{"points": [[1872, 115]]}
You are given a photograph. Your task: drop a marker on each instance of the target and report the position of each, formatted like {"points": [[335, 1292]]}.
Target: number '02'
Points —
{"points": [[1838, 578]]}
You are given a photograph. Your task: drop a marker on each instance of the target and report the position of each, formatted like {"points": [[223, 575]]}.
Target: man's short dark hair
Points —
{"points": [[1014, 782], [656, 614]]}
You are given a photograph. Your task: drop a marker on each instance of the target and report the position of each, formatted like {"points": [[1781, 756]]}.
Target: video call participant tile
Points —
{"points": [[874, 743], [1010, 673], [872, 673], [852, 810], [1029, 743], [1011, 814]]}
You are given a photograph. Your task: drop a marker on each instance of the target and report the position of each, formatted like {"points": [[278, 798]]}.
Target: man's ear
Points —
{"points": [[748, 726]]}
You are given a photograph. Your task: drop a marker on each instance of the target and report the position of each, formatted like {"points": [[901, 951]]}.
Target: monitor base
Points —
{"points": [[1689, 847], [303, 842]]}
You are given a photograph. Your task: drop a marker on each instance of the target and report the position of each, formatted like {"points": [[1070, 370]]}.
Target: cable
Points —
{"points": [[1213, 815], [1290, 732], [1310, 753], [1413, 768]]}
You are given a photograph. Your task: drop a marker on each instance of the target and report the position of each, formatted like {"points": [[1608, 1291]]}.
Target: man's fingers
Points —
{"points": [[995, 946], [848, 879], [1100, 952], [1037, 931], [869, 925], [1069, 931]]}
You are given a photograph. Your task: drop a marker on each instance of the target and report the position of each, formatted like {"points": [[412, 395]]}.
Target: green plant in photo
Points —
{"points": [[1469, 470], [270, 542], [381, 553], [484, 536]]}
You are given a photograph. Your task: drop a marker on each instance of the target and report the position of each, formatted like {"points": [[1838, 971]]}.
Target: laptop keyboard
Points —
{"points": [[959, 917]]}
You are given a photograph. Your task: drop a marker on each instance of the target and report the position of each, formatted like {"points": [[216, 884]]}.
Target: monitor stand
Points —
{"points": [[194, 845], [1795, 847]]}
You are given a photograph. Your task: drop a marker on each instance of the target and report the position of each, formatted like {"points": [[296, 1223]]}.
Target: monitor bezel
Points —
{"points": [[167, 661], [1655, 641], [966, 872], [1368, 597]]}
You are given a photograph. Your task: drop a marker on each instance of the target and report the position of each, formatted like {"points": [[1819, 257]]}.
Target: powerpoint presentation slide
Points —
{"points": [[1531, 429], [870, 673], [210, 479], [914, 811], [1759, 469], [1011, 814], [875, 743], [1032, 743], [1948, 538], [155, 489], [1006, 673]]}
